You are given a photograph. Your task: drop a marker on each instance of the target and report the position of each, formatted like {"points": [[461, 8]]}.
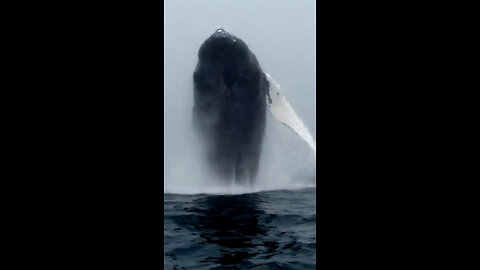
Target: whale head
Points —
{"points": [[226, 67]]}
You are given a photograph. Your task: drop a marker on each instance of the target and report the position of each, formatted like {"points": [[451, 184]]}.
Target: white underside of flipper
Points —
{"points": [[284, 113]]}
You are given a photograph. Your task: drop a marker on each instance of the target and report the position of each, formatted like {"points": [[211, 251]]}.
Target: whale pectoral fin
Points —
{"points": [[280, 108]]}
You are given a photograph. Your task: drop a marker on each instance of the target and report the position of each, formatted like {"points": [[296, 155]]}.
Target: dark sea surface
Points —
{"points": [[263, 230]]}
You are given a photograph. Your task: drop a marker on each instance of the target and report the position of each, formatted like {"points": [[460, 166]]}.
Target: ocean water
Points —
{"points": [[261, 230]]}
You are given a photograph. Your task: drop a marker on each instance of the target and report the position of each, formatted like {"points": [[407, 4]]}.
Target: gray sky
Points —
{"points": [[280, 33]]}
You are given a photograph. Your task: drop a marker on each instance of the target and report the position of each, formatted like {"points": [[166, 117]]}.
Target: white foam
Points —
{"points": [[232, 189], [286, 164]]}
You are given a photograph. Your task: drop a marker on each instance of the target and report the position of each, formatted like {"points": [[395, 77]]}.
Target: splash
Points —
{"points": [[286, 163]]}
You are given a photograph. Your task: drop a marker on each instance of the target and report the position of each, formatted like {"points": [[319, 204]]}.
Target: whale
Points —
{"points": [[229, 106], [232, 95]]}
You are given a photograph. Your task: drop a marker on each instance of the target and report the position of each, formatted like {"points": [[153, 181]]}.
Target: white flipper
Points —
{"points": [[284, 113]]}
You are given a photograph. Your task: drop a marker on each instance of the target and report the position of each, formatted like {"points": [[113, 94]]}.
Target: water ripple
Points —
{"points": [[265, 230]]}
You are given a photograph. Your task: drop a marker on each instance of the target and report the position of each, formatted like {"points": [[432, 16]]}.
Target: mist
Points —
{"points": [[282, 35]]}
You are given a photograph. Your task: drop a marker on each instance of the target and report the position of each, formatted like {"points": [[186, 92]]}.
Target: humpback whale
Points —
{"points": [[229, 105], [231, 97]]}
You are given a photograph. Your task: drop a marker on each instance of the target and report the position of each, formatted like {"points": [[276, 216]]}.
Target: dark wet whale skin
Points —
{"points": [[229, 106]]}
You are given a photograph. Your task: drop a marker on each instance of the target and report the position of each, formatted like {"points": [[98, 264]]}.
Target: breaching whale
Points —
{"points": [[231, 96]]}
